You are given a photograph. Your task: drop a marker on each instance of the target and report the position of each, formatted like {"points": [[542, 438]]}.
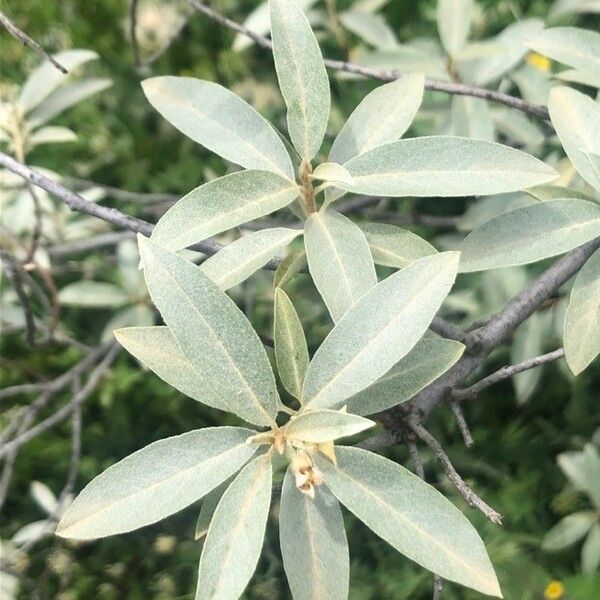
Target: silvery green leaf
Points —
{"points": [[66, 96], [583, 469], [128, 262], [369, 5], [576, 118], [156, 482], [528, 342], [485, 209], [134, 315], [313, 543], [156, 348], [213, 116], [412, 516], [568, 530], [550, 192], [212, 332], [302, 76], [534, 84], [445, 166], [531, 233], [392, 246], [322, 425], [44, 497], [572, 46], [471, 118], [235, 536], [290, 266], [333, 172], [46, 78], [291, 351], [582, 320], [429, 359], [259, 22], [221, 204], [339, 260], [32, 532], [51, 135], [93, 294], [560, 8], [511, 49], [454, 23], [207, 509], [590, 552], [379, 330], [372, 28], [583, 76], [517, 127], [236, 261], [382, 117]]}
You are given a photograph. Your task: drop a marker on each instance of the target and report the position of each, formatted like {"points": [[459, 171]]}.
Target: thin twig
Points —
{"points": [[438, 587], [506, 372], [27, 41], [442, 458], [462, 424], [125, 195], [413, 451], [460, 89], [88, 244]]}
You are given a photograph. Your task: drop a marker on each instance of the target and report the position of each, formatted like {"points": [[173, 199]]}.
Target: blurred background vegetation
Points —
{"points": [[122, 142]]}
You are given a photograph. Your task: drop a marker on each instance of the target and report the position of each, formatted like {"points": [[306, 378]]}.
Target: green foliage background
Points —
{"points": [[123, 142]]}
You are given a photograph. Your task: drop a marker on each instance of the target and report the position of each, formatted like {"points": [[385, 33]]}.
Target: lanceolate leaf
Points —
{"points": [[590, 552], [339, 260], [236, 533], [155, 482], [568, 530], [291, 351], [302, 76], [582, 321], [445, 166], [212, 332], [332, 172], [454, 22], [319, 426], [531, 233], [430, 358], [410, 515], [372, 28], [290, 266], [381, 328], [219, 120], [392, 246], [220, 205], [207, 510], [239, 259], [313, 543], [94, 294], [382, 117], [576, 118]]}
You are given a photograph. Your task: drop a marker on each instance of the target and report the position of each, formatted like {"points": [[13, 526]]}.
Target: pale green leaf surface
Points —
{"points": [[572, 46], [207, 509], [213, 116], [212, 332], [568, 530], [236, 261], [156, 481], [560, 8], [291, 351], [157, 348], [66, 96], [589, 77], [134, 315], [576, 118], [372, 28], [529, 234], [220, 205], [302, 77], [93, 294], [339, 260], [392, 246], [313, 543], [445, 166], [51, 135], [332, 171], [429, 359], [582, 321], [383, 116], [46, 78], [322, 425], [454, 23], [235, 536], [380, 329], [471, 117], [410, 515], [289, 267], [590, 552], [487, 208], [583, 469]]}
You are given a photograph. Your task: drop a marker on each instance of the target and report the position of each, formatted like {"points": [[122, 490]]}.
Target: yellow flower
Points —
{"points": [[539, 61], [555, 590]]}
